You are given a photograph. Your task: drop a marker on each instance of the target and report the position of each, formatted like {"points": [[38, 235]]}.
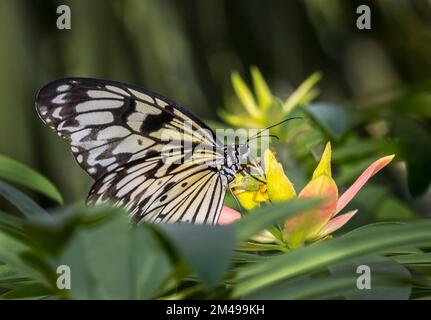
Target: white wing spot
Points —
{"points": [[142, 96], [161, 103], [94, 118], [132, 144], [60, 98], [63, 87], [94, 153], [78, 136], [56, 113], [113, 166], [79, 158], [112, 132], [109, 177], [43, 110], [106, 162], [118, 90], [146, 108], [97, 105], [104, 188], [103, 94]]}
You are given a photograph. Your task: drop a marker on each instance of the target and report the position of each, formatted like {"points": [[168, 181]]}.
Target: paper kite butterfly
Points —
{"points": [[115, 132]]}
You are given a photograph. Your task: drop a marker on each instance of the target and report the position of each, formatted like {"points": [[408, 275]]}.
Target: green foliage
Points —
{"points": [[110, 259], [15, 171]]}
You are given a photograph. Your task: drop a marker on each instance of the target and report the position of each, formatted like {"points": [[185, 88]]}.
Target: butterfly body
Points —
{"points": [[145, 152]]}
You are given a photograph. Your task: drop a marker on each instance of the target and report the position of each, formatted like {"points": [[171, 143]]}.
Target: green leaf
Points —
{"points": [[263, 93], [416, 258], [320, 255], [99, 260], [207, 249], [303, 94], [23, 203], [266, 217], [244, 95], [27, 262], [19, 173], [330, 117], [398, 289], [27, 291], [109, 260], [151, 265], [322, 287]]}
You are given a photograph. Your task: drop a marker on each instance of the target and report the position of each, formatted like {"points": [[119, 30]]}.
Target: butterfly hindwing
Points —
{"points": [[118, 135], [154, 191]]}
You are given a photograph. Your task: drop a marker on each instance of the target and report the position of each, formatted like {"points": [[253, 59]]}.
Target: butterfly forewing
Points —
{"points": [[139, 147]]}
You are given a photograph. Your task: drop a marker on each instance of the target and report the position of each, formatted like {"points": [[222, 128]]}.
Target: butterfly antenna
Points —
{"points": [[281, 122], [268, 135], [272, 126]]}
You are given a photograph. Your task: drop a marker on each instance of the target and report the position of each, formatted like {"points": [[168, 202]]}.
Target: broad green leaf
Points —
{"points": [[322, 287], [330, 117], [207, 249], [50, 233], [415, 258], [22, 202], [239, 256], [326, 253], [151, 266], [378, 266], [110, 260], [19, 173], [266, 217], [100, 261]]}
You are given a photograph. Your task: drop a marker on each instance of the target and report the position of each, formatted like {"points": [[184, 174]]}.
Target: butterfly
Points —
{"points": [[117, 134]]}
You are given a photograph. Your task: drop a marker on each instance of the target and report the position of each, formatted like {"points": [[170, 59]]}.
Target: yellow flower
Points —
{"points": [[278, 185], [259, 106], [249, 191], [315, 224]]}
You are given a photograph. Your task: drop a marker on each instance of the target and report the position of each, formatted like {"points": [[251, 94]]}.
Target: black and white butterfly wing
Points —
{"points": [[136, 143], [161, 192]]}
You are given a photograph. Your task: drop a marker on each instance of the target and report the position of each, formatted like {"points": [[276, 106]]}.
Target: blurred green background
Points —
{"points": [[186, 50]]}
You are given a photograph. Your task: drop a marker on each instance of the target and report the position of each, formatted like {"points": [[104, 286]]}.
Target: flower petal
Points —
{"points": [[264, 237], [324, 166], [375, 167], [336, 223], [308, 224], [278, 185], [228, 215], [261, 195], [246, 199]]}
